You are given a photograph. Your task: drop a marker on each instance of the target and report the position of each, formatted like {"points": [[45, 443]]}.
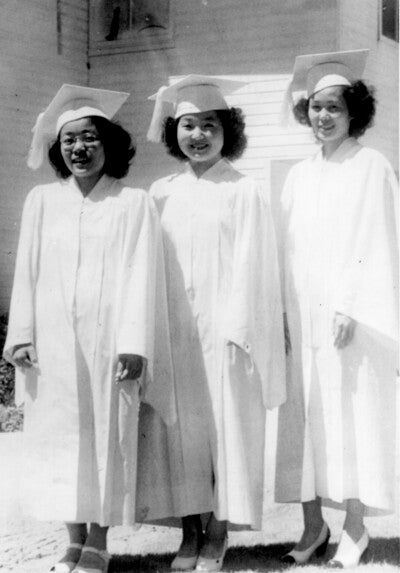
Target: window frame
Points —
{"points": [[152, 38], [381, 34]]}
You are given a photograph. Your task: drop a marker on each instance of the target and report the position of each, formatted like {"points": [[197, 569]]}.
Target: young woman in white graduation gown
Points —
{"points": [[88, 283], [225, 317], [337, 431]]}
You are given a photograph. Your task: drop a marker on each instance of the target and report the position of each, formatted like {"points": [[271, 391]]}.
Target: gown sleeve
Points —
{"points": [[254, 318], [142, 314], [369, 282], [21, 324]]}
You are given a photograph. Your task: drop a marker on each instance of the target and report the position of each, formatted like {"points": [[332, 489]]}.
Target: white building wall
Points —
{"points": [[35, 60], [359, 24], [256, 39]]}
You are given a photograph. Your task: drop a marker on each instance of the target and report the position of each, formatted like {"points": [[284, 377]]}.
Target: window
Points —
{"points": [[390, 19], [129, 25]]}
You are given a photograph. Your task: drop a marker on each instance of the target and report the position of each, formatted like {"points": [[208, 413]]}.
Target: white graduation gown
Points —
{"points": [[86, 289], [223, 288], [337, 430]]}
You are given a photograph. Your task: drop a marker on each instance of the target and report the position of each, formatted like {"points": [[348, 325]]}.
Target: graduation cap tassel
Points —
{"points": [[160, 112], [286, 109], [35, 155]]}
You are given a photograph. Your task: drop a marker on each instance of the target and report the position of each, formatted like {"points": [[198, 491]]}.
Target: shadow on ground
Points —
{"points": [[259, 558]]}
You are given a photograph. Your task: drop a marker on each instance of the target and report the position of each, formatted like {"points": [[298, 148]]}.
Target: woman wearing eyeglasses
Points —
{"points": [[81, 330]]}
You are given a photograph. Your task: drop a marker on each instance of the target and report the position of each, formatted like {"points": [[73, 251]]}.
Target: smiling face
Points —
{"points": [[201, 138], [82, 151], [329, 117]]}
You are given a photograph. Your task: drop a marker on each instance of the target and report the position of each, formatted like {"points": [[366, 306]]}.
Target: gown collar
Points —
{"points": [[99, 191], [348, 145], [215, 172]]}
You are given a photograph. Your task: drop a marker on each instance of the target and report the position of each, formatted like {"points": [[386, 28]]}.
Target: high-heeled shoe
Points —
{"points": [[188, 563], [67, 566], [208, 564], [318, 547], [184, 563], [349, 553], [103, 554]]}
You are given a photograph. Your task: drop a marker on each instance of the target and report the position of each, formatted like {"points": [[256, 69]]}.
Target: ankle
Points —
{"points": [[77, 533], [97, 537], [216, 530], [314, 527], [91, 558], [354, 530], [72, 554]]}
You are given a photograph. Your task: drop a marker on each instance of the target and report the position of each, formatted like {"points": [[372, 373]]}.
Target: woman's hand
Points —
{"points": [[23, 356], [130, 367], [343, 330], [288, 344]]}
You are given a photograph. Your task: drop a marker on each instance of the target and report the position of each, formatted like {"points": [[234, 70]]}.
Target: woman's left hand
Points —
{"points": [[343, 330], [130, 367]]}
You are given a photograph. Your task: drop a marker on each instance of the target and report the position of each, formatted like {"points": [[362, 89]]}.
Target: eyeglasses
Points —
{"points": [[88, 140]]}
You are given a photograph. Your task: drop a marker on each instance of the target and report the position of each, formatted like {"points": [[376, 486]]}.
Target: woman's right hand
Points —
{"points": [[23, 356]]}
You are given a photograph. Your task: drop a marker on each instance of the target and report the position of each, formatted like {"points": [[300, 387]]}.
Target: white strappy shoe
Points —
{"points": [[67, 566], [103, 554], [349, 553], [318, 547]]}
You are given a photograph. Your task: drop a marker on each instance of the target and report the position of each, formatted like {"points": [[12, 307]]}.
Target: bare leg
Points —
{"points": [[313, 522], [77, 533], [192, 536], [216, 533], [354, 522]]}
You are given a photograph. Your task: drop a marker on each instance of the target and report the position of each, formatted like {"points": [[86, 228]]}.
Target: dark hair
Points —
{"points": [[233, 126], [360, 102], [118, 149]]}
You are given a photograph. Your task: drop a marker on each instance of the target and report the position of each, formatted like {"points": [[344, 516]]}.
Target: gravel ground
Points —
{"points": [[32, 547], [27, 546]]}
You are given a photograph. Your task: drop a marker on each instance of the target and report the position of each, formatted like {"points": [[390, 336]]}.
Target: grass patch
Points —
{"points": [[382, 556]]}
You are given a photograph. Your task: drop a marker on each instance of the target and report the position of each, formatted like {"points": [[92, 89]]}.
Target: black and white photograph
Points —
{"points": [[199, 286]]}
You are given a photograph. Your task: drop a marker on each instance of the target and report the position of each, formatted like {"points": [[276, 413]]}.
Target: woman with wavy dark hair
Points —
{"points": [[336, 443], [81, 331], [225, 318]]}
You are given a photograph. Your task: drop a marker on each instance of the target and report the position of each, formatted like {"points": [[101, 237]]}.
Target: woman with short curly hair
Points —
{"points": [[233, 125], [225, 319], [360, 102], [337, 429], [118, 150], [82, 329]]}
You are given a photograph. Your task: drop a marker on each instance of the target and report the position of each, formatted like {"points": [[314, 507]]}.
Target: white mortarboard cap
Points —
{"points": [[191, 94], [315, 72], [69, 104]]}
